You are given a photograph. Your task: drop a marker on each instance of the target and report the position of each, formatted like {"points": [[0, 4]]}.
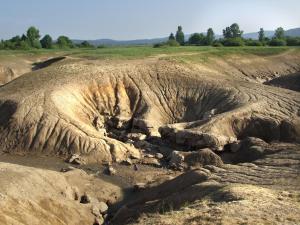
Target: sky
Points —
{"points": [[138, 19]]}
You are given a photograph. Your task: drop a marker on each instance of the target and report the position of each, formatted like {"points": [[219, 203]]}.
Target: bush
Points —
{"points": [[251, 42], [233, 42], [217, 44], [277, 42], [158, 45], [171, 43], [36, 44], [293, 41], [24, 45]]}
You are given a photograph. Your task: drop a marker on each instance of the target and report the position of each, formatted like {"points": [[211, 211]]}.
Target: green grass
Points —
{"points": [[137, 52]]}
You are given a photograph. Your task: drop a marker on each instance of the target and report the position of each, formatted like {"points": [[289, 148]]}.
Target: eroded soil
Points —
{"points": [[156, 140]]}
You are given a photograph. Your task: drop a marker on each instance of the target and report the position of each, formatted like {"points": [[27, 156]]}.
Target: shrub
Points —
{"points": [[293, 41], [36, 44], [24, 45], [171, 43], [233, 42], [251, 42], [277, 42], [158, 45], [217, 44]]}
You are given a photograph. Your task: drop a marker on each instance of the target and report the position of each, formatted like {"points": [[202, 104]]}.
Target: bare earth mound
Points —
{"points": [[140, 112]]}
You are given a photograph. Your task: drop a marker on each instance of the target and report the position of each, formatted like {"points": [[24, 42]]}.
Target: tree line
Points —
{"points": [[32, 40], [232, 36]]}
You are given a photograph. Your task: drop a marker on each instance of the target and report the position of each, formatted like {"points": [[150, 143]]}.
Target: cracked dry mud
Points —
{"points": [[151, 119]]}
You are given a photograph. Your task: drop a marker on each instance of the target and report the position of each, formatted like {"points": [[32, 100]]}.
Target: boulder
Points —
{"points": [[111, 171], [202, 158], [136, 136], [176, 159]]}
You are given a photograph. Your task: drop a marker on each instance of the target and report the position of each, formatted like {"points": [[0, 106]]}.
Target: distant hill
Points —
{"points": [[254, 35]]}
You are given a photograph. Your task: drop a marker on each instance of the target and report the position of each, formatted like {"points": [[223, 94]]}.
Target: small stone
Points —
{"points": [[136, 136], [111, 171], [139, 186], [69, 168], [102, 206], [85, 199], [149, 156], [176, 160], [99, 220], [159, 155], [76, 159]]}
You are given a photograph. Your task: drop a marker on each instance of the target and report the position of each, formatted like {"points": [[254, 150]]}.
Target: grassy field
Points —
{"points": [[137, 52]]}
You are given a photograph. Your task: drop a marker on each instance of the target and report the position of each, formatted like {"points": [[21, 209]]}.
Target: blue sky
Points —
{"points": [[135, 19]]}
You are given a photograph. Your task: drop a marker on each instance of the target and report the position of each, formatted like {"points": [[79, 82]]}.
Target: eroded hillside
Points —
{"points": [[223, 125]]}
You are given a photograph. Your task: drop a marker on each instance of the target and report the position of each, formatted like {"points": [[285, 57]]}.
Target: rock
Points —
{"points": [[111, 171], [235, 146], [95, 211], [209, 114], [76, 159], [203, 157], [214, 169], [251, 149], [127, 162], [151, 161], [99, 220], [256, 151], [142, 144], [139, 186], [176, 159], [149, 156], [136, 136], [159, 155], [250, 141], [85, 199], [102, 206], [69, 168]]}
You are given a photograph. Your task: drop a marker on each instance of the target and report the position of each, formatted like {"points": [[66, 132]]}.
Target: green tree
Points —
{"points": [[33, 34], [24, 37], [261, 35], [233, 31], [180, 36], [2, 45], [46, 41], [197, 39], [64, 42], [210, 36], [171, 37], [279, 33]]}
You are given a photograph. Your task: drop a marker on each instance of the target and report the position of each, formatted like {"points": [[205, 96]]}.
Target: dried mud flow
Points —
{"points": [[230, 129]]}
